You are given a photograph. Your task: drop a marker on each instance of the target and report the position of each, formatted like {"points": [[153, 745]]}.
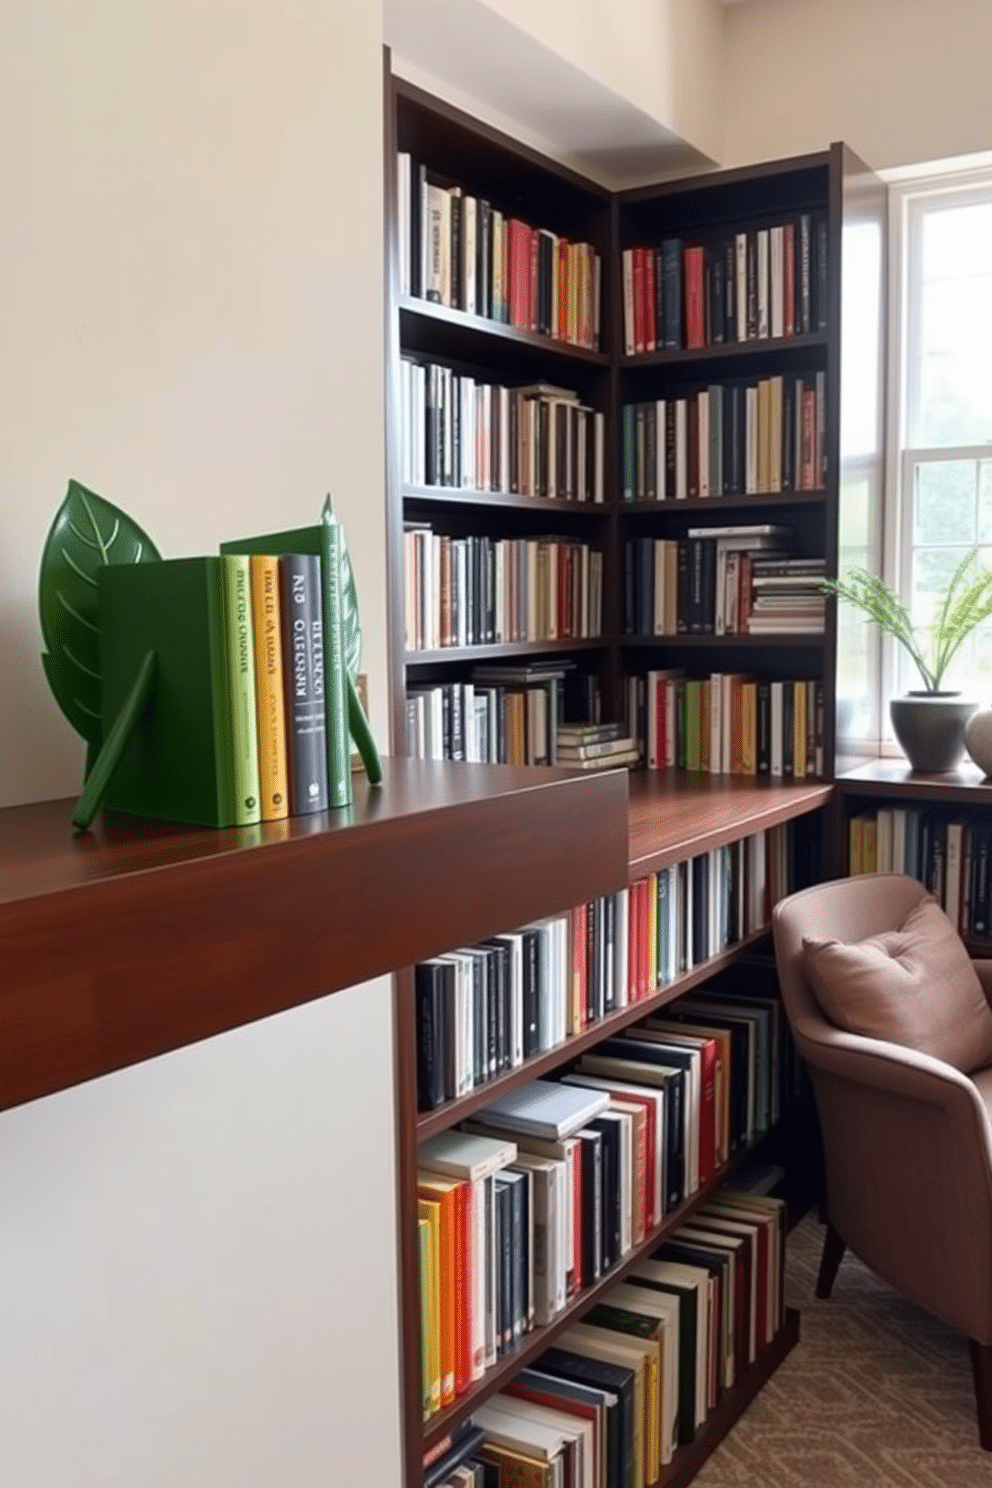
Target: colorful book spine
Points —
{"points": [[303, 668], [267, 636], [241, 661]]}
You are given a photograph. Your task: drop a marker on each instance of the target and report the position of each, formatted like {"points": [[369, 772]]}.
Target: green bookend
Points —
{"points": [[178, 760], [244, 711]]}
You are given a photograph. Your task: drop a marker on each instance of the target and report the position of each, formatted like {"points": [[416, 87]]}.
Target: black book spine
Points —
{"points": [[683, 587], [430, 1039], [504, 1247], [696, 613], [609, 1132], [752, 285], [804, 250], [629, 593], [609, 949], [645, 586], [729, 299], [497, 998], [788, 729], [457, 289], [764, 726], [674, 1154], [718, 314], [303, 669], [592, 1002], [709, 585], [700, 909], [670, 460], [651, 453], [788, 434], [483, 260], [532, 991], [480, 977], [680, 729]]}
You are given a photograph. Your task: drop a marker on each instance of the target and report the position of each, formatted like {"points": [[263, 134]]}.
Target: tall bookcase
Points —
{"points": [[674, 815]]}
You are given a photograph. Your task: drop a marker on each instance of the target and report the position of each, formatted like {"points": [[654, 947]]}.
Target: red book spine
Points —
{"points": [[661, 720], [644, 949], [638, 301], [744, 592], [532, 278], [695, 310], [707, 1112], [561, 330]]}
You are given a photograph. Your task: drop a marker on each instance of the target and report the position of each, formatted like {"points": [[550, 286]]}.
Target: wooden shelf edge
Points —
{"points": [[498, 330], [539, 1339], [503, 500], [494, 650], [731, 1405], [429, 1123]]}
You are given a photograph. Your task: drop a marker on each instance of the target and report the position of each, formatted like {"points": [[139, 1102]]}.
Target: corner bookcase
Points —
{"points": [[673, 814]]}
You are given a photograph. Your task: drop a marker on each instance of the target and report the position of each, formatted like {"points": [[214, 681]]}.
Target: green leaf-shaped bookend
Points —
{"points": [[358, 724], [87, 534]]}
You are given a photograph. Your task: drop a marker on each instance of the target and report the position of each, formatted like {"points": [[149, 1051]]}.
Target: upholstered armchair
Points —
{"points": [[907, 1136]]}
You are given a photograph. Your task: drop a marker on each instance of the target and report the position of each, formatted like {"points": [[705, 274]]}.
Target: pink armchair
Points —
{"points": [[907, 1138]]}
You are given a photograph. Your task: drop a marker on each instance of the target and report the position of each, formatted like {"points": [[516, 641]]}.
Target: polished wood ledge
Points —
{"points": [[144, 936]]}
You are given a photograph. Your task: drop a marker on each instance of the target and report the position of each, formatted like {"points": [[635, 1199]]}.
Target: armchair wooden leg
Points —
{"points": [[833, 1253], [981, 1368]]}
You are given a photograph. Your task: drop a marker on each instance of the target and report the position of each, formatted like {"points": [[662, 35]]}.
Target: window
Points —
{"points": [[939, 502]]}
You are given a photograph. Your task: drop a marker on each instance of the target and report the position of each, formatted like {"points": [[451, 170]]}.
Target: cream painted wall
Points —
{"points": [[190, 296], [901, 81], [197, 1277], [663, 56]]}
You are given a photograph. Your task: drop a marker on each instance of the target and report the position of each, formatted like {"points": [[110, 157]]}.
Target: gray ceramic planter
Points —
{"points": [[930, 728]]}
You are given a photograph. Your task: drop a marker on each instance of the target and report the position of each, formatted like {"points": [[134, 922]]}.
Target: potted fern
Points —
{"points": [[929, 723]]}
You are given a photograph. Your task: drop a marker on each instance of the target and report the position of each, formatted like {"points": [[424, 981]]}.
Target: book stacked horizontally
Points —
{"points": [[786, 596], [594, 746]]}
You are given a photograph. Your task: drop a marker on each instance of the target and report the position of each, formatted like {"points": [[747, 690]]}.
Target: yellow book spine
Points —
{"points": [[869, 845], [270, 702], [799, 731], [855, 836], [431, 1211], [652, 1460], [749, 728]]}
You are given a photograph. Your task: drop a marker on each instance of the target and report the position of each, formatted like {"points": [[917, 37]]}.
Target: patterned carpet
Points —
{"points": [[877, 1394]]}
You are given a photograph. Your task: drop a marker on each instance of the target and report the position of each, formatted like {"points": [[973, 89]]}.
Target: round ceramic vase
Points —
{"points": [[978, 738], [930, 727]]}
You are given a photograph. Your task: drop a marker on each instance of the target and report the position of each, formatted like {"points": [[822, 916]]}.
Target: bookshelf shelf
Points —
{"points": [[539, 1339], [674, 816], [893, 777], [724, 642], [429, 327], [787, 351], [551, 506], [96, 977], [701, 506], [504, 648]]}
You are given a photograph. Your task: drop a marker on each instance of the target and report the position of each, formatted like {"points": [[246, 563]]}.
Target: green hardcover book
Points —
{"points": [[424, 1240], [178, 761], [244, 710], [693, 699], [323, 541]]}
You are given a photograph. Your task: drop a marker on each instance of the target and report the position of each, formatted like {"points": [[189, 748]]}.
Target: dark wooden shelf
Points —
{"points": [[893, 777], [698, 505], [737, 642], [439, 330], [675, 815], [539, 1339], [143, 936], [468, 497], [731, 1406], [503, 648], [728, 351], [431, 1122]]}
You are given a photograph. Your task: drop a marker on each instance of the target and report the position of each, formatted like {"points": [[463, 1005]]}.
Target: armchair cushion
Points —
{"points": [[914, 986]]}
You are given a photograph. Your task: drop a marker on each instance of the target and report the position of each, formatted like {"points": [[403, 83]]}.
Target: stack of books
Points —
{"points": [[786, 596], [594, 746]]}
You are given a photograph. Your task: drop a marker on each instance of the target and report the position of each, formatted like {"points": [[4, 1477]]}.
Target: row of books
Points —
{"points": [[462, 251], [536, 440], [479, 590], [728, 439], [949, 854], [485, 1009], [509, 714], [620, 1391], [547, 1189], [721, 581], [757, 284], [249, 720], [728, 723]]}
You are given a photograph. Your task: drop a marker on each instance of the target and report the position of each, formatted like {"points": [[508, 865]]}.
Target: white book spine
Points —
{"points": [[469, 240], [777, 281], [681, 463], [776, 692], [403, 215], [628, 301], [660, 470]]}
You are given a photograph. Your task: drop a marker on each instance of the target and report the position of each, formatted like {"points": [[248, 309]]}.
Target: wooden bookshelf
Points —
{"points": [[117, 945], [673, 816]]}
